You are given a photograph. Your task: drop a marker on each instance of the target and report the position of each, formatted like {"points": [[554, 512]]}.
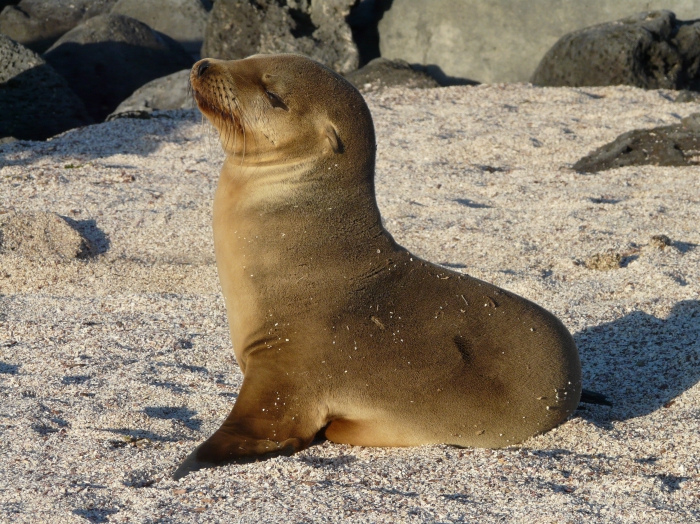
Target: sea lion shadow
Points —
{"points": [[640, 362]]}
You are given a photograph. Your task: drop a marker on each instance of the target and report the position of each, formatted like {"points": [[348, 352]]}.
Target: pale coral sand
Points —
{"points": [[114, 366]]}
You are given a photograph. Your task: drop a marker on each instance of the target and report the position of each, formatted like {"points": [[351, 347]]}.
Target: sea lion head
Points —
{"points": [[283, 108]]}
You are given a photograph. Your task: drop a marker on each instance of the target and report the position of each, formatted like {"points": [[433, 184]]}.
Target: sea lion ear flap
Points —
{"points": [[333, 139]]}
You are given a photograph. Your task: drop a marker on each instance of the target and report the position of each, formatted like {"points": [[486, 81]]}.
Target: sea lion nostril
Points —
{"points": [[202, 67]]}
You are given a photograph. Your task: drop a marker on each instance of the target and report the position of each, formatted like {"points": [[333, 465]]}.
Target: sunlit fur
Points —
{"points": [[335, 325]]}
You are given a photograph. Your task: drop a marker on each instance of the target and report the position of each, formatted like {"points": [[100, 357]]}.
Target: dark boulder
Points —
{"points": [[110, 56], [35, 101], [364, 20], [37, 24], [182, 20], [381, 73], [675, 145], [240, 28], [650, 50]]}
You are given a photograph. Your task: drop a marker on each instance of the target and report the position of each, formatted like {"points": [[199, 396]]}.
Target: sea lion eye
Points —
{"points": [[276, 101]]}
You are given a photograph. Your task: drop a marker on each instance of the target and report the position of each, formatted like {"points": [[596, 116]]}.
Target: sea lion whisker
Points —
{"points": [[190, 90], [210, 127], [231, 104], [242, 78], [244, 123], [236, 113], [225, 102]]}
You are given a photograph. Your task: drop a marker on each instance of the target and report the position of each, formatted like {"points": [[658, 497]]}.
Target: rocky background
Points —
{"points": [[70, 63]]}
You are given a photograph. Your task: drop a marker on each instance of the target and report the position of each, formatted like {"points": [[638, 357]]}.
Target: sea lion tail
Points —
{"points": [[591, 397]]}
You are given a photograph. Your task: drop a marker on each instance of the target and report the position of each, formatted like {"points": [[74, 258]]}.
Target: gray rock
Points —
{"points": [[650, 50], [240, 28], [497, 40], [37, 24], [381, 73], [675, 145], [35, 101], [110, 56], [687, 96], [182, 20], [169, 92], [41, 236]]}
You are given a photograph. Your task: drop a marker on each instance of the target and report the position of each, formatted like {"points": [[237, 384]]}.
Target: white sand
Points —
{"points": [[113, 369]]}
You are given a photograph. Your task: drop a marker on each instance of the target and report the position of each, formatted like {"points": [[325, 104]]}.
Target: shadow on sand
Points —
{"points": [[641, 362], [97, 141]]}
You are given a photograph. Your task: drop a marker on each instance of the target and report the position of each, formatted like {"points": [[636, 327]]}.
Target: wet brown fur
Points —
{"points": [[333, 323]]}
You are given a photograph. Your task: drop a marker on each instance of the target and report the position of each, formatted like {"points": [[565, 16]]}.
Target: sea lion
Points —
{"points": [[334, 325]]}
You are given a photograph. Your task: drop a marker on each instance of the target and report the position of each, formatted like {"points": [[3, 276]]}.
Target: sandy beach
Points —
{"points": [[113, 367]]}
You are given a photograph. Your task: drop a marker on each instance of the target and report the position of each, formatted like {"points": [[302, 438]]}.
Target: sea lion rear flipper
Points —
{"points": [[216, 451]]}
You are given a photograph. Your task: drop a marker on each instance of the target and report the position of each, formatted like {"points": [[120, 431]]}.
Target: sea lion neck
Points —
{"points": [[312, 176], [302, 194], [293, 221]]}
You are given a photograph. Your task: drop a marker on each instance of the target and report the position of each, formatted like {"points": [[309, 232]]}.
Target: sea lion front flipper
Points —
{"points": [[267, 420], [221, 448]]}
